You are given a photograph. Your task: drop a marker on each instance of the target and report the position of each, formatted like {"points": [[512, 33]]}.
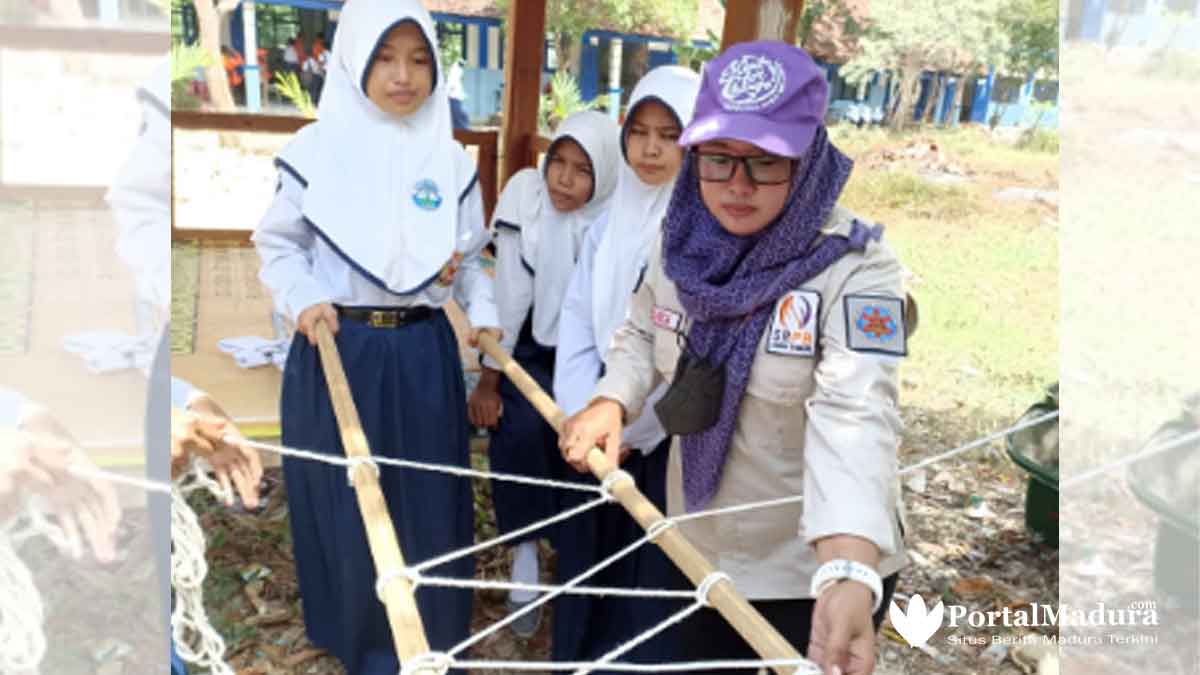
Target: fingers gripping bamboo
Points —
{"points": [[761, 635], [407, 631]]}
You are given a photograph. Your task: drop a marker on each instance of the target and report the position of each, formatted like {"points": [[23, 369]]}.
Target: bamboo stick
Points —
{"points": [[408, 633], [740, 614]]}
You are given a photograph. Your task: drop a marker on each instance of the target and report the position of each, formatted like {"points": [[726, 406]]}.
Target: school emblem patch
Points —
{"points": [[875, 323], [793, 330], [751, 82], [426, 195]]}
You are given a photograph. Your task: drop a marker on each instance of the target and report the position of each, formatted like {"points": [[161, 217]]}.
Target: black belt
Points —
{"points": [[386, 318]]}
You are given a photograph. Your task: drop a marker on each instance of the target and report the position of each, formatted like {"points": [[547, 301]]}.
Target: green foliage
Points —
{"points": [[938, 35], [1037, 139], [835, 10], [568, 21], [1032, 30], [955, 36], [450, 51], [185, 59], [916, 196], [695, 56], [288, 85], [563, 101]]}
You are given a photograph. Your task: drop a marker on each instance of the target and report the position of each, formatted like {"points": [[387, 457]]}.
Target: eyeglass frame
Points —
{"points": [[744, 160]]}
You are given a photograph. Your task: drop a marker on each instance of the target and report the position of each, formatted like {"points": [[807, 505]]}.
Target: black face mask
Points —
{"points": [[693, 401]]}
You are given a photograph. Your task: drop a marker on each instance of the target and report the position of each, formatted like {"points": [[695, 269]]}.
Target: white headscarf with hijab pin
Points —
{"points": [[550, 239], [382, 190], [637, 208]]}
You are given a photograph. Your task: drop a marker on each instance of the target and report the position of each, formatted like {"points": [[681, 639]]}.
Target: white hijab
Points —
{"points": [[637, 208], [550, 239], [381, 190]]}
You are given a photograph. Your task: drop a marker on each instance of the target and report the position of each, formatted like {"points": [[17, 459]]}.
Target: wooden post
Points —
{"points": [[747, 20], [526, 35], [408, 633], [740, 614]]}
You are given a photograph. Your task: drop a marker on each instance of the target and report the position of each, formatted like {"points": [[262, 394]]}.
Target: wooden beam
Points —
{"points": [[747, 20], [408, 633], [237, 122], [230, 236], [526, 33], [89, 194], [488, 163], [85, 40], [754, 629]]}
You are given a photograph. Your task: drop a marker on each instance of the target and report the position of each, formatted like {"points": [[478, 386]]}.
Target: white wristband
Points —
{"points": [[836, 570]]}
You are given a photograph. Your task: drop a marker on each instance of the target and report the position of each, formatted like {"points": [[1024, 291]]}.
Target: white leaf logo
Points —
{"points": [[916, 625]]}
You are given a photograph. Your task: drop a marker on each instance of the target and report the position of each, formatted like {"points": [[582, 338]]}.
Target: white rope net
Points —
{"points": [[22, 644]]}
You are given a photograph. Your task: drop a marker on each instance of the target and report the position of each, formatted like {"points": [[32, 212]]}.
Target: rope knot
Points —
{"points": [[353, 463], [409, 574], [610, 481], [659, 527], [705, 586], [429, 663]]}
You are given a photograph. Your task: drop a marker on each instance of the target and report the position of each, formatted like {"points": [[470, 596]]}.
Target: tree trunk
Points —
{"points": [[960, 92], [569, 55], [910, 83], [208, 22], [934, 99]]}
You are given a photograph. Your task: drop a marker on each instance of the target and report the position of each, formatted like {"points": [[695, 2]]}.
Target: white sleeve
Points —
{"points": [[514, 289], [577, 361], [285, 244], [474, 290], [140, 198], [629, 376]]}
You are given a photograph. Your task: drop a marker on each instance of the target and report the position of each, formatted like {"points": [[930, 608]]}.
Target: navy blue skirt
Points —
{"points": [[408, 386], [524, 443], [587, 627]]}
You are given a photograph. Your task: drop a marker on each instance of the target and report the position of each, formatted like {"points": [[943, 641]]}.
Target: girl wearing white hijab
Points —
{"points": [[609, 269], [539, 225], [377, 223]]}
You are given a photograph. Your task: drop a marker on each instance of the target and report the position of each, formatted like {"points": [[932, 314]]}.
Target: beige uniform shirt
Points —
{"points": [[819, 419]]}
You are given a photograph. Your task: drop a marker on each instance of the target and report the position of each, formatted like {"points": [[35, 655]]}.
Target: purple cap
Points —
{"points": [[767, 93]]}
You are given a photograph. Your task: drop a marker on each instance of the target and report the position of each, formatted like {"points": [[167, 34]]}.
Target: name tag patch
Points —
{"points": [[666, 318], [875, 323], [793, 330]]}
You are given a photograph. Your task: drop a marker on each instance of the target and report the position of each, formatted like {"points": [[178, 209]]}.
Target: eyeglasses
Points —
{"points": [[761, 169]]}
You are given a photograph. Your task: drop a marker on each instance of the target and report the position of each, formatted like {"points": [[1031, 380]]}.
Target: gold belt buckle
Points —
{"points": [[381, 319]]}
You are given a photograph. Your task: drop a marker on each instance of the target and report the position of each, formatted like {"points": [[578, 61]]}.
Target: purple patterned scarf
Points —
{"points": [[728, 285]]}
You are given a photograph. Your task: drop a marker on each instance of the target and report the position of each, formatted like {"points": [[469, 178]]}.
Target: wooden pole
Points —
{"points": [[747, 20], [526, 33], [408, 633], [740, 614]]}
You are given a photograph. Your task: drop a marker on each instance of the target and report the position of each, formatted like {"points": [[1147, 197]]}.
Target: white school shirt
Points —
{"points": [[514, 272], [140, 198], [578, 361], [301, 269]]}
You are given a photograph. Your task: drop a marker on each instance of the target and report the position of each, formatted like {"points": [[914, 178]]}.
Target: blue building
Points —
{"points": [[1174, 24]]}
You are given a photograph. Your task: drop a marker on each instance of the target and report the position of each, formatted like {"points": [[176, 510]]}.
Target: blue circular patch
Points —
{"points": [[426, 195]]}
